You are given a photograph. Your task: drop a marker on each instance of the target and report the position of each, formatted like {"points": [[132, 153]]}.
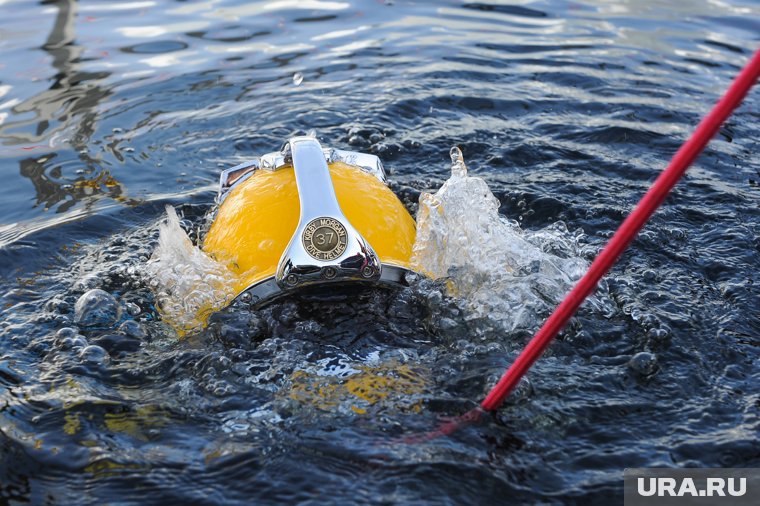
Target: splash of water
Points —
{"points": [[497, 270], [188, 284]]}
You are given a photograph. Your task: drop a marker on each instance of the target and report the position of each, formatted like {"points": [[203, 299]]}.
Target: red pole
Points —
{"points": [[625, 234]]}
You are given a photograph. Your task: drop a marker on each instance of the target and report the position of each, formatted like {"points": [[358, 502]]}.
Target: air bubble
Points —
{"points": [[644, 363], [66, 332], [522, 391], [132, 329], [96, 308], [57, 305], [658, 335], [221, 391], [94, 354], [73, 343]]}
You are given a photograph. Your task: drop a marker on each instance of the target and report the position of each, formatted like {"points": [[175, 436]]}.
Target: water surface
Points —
{"points": [[568, 110]]}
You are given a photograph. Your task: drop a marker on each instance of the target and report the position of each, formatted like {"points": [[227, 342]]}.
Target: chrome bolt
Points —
{"points": [[368, 271], [291, 279], [329, 272], [246, 297]]}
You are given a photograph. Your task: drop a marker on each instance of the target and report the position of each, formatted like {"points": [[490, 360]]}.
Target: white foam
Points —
{"points": [[188, 284], [498, 271]]}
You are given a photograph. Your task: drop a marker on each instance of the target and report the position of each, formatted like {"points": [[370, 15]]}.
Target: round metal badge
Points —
{"points": [[325, 239]]}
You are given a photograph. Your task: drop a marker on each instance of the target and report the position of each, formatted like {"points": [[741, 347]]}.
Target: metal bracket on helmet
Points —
{"points": [[325, 246], [278, 159]]}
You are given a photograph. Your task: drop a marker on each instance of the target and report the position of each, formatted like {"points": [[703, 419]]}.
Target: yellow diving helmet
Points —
{"points": [[309, 216]]}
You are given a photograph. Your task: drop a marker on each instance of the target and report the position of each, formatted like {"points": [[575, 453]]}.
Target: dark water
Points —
{"points": [[110, 111]]}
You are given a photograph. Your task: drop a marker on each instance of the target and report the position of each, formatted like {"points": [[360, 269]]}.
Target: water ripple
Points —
{"points": [[111, 111]]}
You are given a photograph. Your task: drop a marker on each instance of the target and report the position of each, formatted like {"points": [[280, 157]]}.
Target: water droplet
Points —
{"points": [[297, 78], [458, 167]]}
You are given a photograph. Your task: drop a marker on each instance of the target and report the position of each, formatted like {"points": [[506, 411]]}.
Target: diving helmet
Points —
{"points": [[309, 216]]}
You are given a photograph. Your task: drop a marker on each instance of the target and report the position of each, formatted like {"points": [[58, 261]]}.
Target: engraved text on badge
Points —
{"points": [[325, 239]]}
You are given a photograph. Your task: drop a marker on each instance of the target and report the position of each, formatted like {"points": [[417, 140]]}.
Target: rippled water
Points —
{"points": [[567, 110]]}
